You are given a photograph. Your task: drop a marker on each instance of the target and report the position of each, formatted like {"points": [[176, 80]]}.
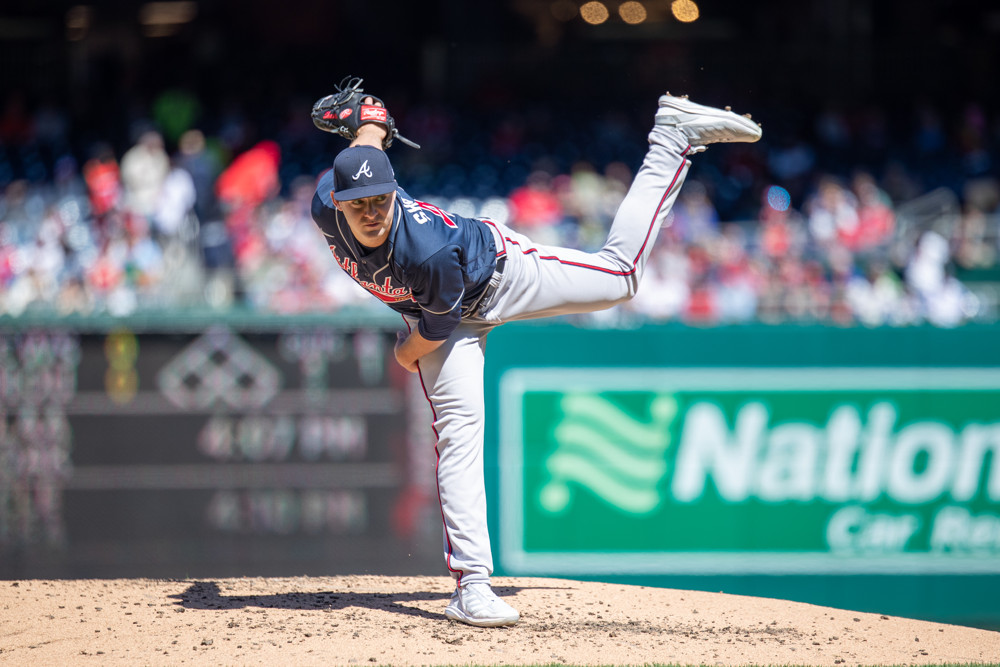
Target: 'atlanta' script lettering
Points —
{"points": [[384, 290]]}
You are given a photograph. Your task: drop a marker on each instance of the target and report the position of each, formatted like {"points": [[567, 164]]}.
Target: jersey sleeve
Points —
{"points": [[439, 294], [323, 212]]}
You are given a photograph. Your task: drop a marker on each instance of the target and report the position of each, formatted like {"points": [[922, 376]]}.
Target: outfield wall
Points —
{"points": [[195, 446], [857, 468]]}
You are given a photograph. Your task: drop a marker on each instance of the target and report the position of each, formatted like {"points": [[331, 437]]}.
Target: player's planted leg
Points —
{"points": [[477, 604]]}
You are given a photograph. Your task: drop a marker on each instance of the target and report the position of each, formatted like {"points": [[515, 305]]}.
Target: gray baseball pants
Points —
{"points": [[537, 281]]}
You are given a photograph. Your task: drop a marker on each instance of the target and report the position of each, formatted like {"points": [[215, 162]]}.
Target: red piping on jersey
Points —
{"points": [[600, 268], [503, 251], [437, 464]]}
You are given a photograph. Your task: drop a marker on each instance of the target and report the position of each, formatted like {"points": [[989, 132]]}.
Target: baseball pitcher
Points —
{"points": [[453, 279]]}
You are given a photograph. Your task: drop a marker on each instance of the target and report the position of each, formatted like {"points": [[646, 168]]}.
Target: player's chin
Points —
{"points": [[374, 236]]}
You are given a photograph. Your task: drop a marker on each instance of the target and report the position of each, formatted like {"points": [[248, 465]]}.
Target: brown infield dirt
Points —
{"points": [[360, 620]]}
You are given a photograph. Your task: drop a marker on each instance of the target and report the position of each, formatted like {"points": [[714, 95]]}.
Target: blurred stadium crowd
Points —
{"points": [[851, 220]]}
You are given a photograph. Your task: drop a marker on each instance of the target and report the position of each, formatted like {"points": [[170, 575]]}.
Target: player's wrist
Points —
{"points": [[373, 130], [370, 135]]}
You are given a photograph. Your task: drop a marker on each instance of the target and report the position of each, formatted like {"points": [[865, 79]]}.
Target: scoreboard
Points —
{"points": [[212, 453]]}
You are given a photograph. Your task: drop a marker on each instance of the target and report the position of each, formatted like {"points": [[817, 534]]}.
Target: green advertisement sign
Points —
{"points": [[744, 471]]}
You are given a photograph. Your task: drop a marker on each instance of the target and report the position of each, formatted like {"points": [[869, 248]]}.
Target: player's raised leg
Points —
{"points": [[540, 281]]}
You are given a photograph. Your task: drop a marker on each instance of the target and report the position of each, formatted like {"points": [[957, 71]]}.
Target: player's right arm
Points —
{"points": [[411, 348], [437, 287], [370, 135]]}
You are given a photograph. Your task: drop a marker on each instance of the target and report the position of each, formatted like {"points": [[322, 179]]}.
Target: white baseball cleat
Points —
{"points": [[477, 604], [703, 125]]}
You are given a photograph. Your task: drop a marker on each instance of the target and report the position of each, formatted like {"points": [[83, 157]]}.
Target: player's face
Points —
{"points": [[369, 218]]}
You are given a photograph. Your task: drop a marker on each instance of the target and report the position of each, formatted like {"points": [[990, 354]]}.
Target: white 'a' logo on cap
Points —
{"points": [[363, 170]]}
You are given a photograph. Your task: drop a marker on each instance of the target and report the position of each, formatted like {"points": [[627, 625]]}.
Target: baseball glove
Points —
{"points": [[344, 112]]}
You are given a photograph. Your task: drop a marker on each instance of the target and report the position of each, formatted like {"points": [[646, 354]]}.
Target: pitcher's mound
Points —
{"points": [[363, 620]]}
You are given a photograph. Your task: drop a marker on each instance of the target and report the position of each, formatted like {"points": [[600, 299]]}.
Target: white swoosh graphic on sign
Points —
{"points": [[585, 442], [606, 451], [616, 491]]}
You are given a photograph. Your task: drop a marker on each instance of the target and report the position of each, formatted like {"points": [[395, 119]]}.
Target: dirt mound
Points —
{"points": [[361, 620]]}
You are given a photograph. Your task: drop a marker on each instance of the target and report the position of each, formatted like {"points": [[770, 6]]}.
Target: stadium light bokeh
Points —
{"points": [[685, 11], [594, 13], [632, 12]]}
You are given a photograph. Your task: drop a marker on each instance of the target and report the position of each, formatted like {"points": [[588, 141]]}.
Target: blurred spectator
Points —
{"points": [[107, 274], [102, 176], [806, 295], [16, 210], [666, 285], [614, 183], [252, 178], [203, 166], [581, 194], [739, 279], [694, 216], [144, 168], [781, 231], [977, 238], [296, 258], [876, 220], [173, 215], [951, 305], [878, 297], [535, 207], [941, 299], [925, 273], [702, 307], [144, 258], [246, 184], [833, 214]]}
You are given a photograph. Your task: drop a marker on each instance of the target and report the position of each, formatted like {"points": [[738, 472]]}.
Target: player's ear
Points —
{"points": [[336, 203]]}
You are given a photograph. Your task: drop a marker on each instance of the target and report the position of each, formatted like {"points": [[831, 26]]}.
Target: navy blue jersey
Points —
{"points": [[434, 265]]}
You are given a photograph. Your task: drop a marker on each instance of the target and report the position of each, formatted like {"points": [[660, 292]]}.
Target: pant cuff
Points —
{"points": [[669, 137]]}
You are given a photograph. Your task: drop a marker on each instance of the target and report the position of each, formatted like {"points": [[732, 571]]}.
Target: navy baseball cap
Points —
{"points": [[362, 171]]}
